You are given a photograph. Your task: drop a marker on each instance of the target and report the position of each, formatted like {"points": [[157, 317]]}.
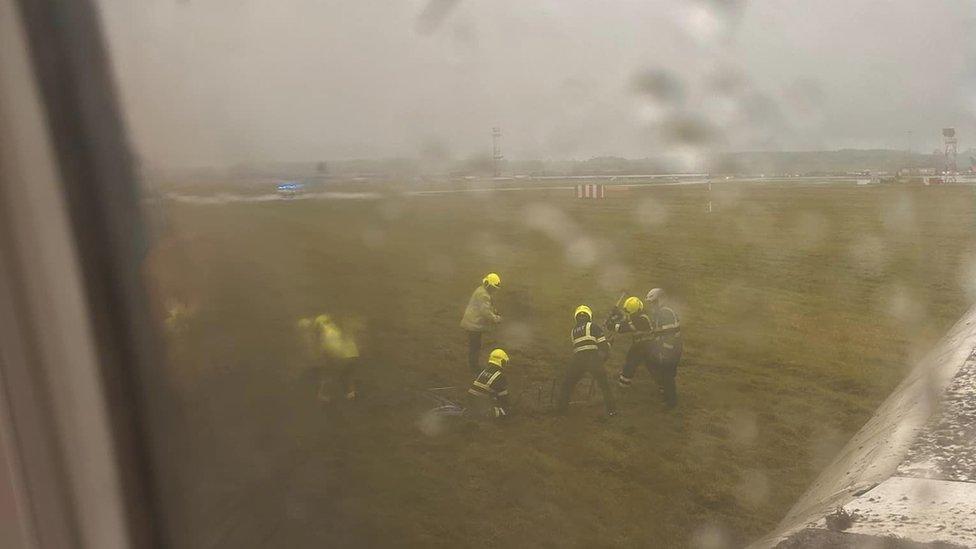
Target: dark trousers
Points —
{"points": [[474, 352], [665, 373], [340, 371], [661, 363], [586, 362], [640, 352]]}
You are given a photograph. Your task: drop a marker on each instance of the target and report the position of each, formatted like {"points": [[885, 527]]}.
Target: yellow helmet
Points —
{"points": [[583, 310], [323, 320], [633, 305], [492, 280], [498, 357]]}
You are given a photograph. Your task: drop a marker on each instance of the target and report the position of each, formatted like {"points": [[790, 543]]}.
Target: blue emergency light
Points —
{"points": [[290, 187]]}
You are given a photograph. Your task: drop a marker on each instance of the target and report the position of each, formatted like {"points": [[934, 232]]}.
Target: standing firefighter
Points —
{"points": [[634, 321], [667, 344], [590, 351], [334, 352], [491, 386], [480, 316]]}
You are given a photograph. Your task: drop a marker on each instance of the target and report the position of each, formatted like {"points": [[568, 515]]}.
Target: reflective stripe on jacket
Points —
{"points": [[640, 326], [588, 337], [491, 383], [667, 329]]}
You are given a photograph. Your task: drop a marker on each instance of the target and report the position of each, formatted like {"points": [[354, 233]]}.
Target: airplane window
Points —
{"points": [[466, 273]]}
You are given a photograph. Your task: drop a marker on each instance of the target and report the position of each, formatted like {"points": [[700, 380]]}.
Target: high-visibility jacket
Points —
{"points": [[639, 325], [588, 337], [328, 340], [480, 314], [492, 384], [338, 344], [667, 330]]}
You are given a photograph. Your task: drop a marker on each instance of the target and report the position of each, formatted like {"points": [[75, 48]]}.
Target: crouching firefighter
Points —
{"points": [[634, 321], [590, 352], [491, 387]]}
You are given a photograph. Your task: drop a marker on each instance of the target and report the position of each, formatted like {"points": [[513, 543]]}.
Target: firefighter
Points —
{"points": [[634, 321], [590, 351], [480, 316], [491, 386], [666, 344], [333, 351]]}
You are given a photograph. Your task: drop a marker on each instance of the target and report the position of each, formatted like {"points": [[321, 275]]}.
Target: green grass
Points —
{"points": [[802, 308]]}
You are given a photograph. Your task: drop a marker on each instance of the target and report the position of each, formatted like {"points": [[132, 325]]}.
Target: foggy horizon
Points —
{"points": [[224, 83]]}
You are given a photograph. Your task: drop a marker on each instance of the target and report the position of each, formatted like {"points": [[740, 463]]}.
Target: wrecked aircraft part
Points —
{"points": [[910, 472], [448, 410], [434, 422], [533, 399]]}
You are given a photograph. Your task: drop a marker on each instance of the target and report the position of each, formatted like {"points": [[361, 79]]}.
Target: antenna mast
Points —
{"points": [[951, 169], [496, 150]]}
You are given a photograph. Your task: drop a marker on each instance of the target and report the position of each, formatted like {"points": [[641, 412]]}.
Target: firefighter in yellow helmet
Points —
{"points": [[647, 344], [480, 316], [334, 352], [491, 386], [635, 322], [590, 351]]}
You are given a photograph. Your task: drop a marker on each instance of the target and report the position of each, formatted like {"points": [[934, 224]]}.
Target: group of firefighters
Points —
{"points": [[656, 343], [653, 329]]}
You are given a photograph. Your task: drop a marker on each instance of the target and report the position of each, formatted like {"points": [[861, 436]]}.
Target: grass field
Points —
{"points": [[802, 308]]}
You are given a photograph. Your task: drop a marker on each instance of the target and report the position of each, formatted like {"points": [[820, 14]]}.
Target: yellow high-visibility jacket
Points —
{"points": [[338, 344], [480, 314], [328, 340]]}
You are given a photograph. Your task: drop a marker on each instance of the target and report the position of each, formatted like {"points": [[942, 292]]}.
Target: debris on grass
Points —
{"points": [[841, 519]]}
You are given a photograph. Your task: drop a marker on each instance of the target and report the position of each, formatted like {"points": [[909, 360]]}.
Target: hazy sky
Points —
{"points": [[211, 82]]}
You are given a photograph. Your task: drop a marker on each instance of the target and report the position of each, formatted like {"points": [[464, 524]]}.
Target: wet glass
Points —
{"points": [[329, 186]]}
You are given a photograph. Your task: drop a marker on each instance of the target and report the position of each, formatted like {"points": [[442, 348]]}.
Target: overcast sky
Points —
{"points": [[214, 82]]}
